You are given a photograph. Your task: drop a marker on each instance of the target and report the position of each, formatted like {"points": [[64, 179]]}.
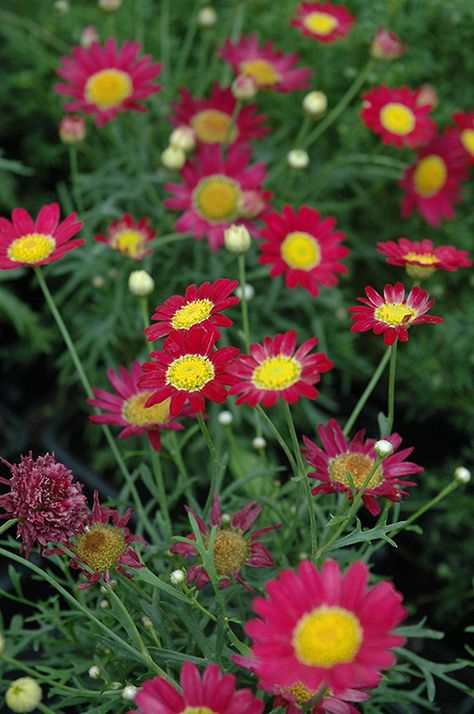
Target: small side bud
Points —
{"points": [[237, 239], [383, 448], [61, 7], [427, 95], [315, 104], [178, 577], [207, 16], [23, 695], [140, 283], [226, 518], [88, 35], [462, 474], [183, 138], [259, 443], [146, 622], [129, 693], [94, 672], [249, 292], [386, 46], [225, 418], [173, 158], [110, 5], [244, 88], [104, 604], [72, 130], [297, 159]]}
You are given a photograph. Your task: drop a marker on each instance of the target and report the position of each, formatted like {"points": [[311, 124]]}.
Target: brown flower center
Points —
{"points": [[231, 550], [100, 547]]}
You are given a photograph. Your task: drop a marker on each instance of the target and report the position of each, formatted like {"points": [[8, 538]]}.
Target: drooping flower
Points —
{"points": [[211, 118], [275, 370], [392, 314], [323, 21], [28, 242], [322, 628], [293, 699], [397, 117], [233, 549], [215, 693], [304, 247], [433, 183], [270, 68], [188, 370], [199, 308], [421, 259], [339, 456], [386, 45], [128, 236], [107, 80], [48, 503], [465, 123], [218, 191]]}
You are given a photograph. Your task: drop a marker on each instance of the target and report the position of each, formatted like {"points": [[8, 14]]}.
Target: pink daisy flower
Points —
{"points": [[233, 549], [323, 21], [293, 699], [28, 242], [304, 247], [325, 629], [421, 259], [392, 314], [129, 237], [386, 45], [107, 80], [270, 68], [275, 370], [465, 123], [358, 457], [217, 192]]}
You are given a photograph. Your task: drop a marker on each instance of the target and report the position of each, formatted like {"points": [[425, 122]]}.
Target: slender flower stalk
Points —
{"points": [[243, 300], [232, 123], [8, 524], [214, 459], [366, 394], [391, 389], [277, 436], [160, 485], [74, 179]]}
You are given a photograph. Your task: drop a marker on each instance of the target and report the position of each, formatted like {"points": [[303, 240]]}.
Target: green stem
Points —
{"points": [[8, 524], [243, 301], [426, 507], [232, 123], [278, 437], [74, 179], [391, 388], [366, 393], [160, 485], [233, 33], [215, 463], [303, 130], [185, 49], [171, 238]]}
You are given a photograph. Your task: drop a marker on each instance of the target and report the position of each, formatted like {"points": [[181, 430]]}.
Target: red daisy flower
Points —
{"points": [[421, 259], [270, 68], [199, 308], [45, 240], [211, 118], [217, 192], [107, 80], [274, 370], [433, 183], [188, 370], [465, 122], [323, 21], [128, 236], [386, 45], [325, 629], [214, 694], [338, 456], [396, 115], [232, 548], [293, 699], [392, 314], [304, 247]]}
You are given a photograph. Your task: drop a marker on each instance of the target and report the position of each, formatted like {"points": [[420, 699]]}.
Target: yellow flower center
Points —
{"points": [[217, 198], [277, 373], [262, 72], [301, 250], [198, 710], [129, 242], [467, 138], [359, 466], [135, 412], [327, 636], [212, 126], [395, 313], [321, 23], [100, 547], [231, 550], [190, 372], [397, 118], [191, 314], [423, 258], [108, 88], [430, 175], [301, 693], [31, 248]]}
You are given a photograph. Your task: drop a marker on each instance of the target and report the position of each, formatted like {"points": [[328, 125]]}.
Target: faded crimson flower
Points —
{"points": [[386, 45], [421, 259], [129, 237], [323, 21]]}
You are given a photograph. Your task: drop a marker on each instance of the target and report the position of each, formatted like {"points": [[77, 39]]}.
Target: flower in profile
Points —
{"points": [[325, 629], [396, 115], [275, 370], [72, 130], [270, 68], [433, 184], [233, 548], [465, 123], [392, 314], [217, 192], [304, 247], [28, 242], [211, 119], [293, 698], [200, 308], [215, 693], [323, 21], [386, 45], [129, 237], [338, 457], [107, 80], [48, 503], [421, 259]]}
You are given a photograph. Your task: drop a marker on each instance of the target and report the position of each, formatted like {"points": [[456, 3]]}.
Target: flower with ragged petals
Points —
{"points": [[129, 237], [304, 247], [48, 503], [338, 457], [386, 45], [325, 629], [270, 68], [397, 117], [233, 549], [392, 314], [465, 123], [323, 21], [421, 259], [201, 308], [277, 369], [107, 80], [28, 242]]}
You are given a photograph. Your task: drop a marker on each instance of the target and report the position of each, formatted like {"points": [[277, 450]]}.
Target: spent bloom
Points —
{"points": [[386, 45], [323, 21], [72, 130], [23, 695], [128, 236], [421, 259]]}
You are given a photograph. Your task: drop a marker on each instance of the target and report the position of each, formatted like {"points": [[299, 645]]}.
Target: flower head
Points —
{"points": [[386, 45], [129, 237], [392, 314], [25, 241], [293, 698], [107, 80], [72, 130], [323, 21], [465, 123], [23, 695], [421, 259]]}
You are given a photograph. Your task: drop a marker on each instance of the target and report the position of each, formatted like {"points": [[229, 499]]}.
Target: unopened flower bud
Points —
{"points": [[88, 35], [98, 281], [383, 448], [183, 138], [104, 604], [147, 622], [315, 104], [115, 685], [173, 158], [225, 418], [386, 46], [61, 7], [297, 159], [110, 5], [259, 443], [462, 474], [72, 130], [226, 518], [23, 695], [237, 239], [244, 87], [251, 204], [207, 16], [303, 556], [140, 283], [178, 577], [427, 95], [94, 672], [249, 292], [129, 692]]}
